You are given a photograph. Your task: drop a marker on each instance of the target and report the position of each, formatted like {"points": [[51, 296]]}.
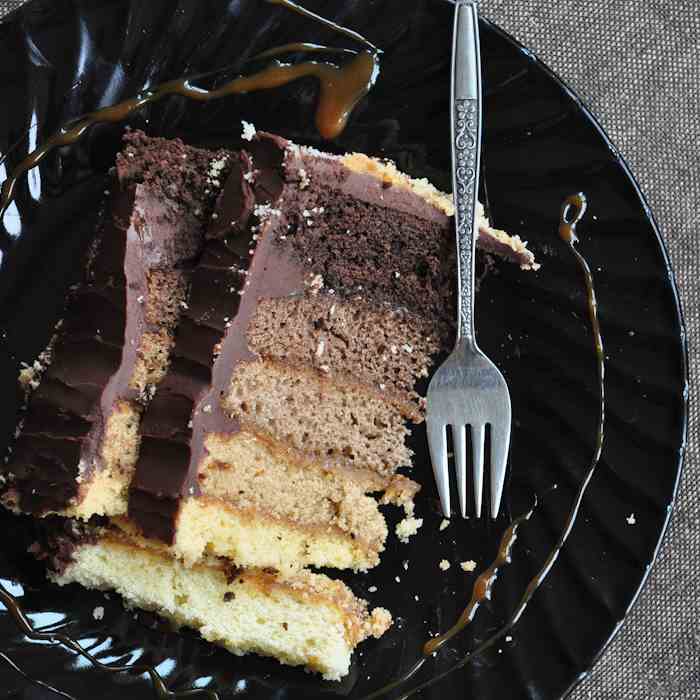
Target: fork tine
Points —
{"points": [[459, 444], [478, 434], [437, 442], [500, 442]]}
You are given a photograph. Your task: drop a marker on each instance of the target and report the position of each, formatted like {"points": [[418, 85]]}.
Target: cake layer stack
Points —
{"points": [[277, 308]]}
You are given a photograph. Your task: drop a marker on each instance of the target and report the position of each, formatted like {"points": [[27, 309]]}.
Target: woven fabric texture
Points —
{"points": [[636, 64]]}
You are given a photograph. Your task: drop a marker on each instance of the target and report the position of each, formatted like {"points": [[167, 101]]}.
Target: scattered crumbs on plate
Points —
{"points": [[416, 598], [397, 579], [468, 566], [407, 528], [444, 565], [444, 524], [372, 589], [249, 131], [631, 520], [509, 638], [98, 613], [405, 565]]}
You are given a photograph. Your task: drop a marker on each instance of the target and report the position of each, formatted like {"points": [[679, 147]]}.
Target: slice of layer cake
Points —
{"points": [[79, 435], [321, 296]]}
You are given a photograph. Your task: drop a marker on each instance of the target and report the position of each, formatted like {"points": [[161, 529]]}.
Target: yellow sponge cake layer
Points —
{"points": [[302, 620]]}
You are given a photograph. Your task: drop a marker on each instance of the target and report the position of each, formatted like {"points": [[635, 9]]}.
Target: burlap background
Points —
{"points": [[637, 65]]}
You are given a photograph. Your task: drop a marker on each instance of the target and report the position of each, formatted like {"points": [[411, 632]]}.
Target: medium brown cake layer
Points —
{"points": [[336, 419], [383, 346]]}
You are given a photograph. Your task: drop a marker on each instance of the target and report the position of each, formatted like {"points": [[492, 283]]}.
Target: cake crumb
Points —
{"points": [[372, 589], [468, 565], [631, 520], [304, 181], [380, 621], [98, 613], [444, 565], [265, 211], [249, 131], [444, 524], [416, 598], [407, 528], [405, 565], [207, 408], [509, 638], [397, 579], [315, 284]]}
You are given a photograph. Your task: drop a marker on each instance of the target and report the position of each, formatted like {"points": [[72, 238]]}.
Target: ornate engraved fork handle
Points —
{"points": [[466, 156]]}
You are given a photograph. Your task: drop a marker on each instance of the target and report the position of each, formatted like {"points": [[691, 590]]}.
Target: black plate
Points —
{"points": [[59, 59]]}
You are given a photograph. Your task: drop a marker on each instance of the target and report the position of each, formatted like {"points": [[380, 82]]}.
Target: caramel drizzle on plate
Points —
{"points": [[341, 88]]}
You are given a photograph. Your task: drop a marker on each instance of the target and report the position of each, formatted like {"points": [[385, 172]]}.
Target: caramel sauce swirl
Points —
{"points": [[341, 88]]}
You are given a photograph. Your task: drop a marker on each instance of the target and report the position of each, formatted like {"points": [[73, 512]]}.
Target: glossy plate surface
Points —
{"points": [[60, 59]]}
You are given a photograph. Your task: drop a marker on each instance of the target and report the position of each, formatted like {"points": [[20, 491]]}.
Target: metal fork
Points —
{"points": [[468, 389]]}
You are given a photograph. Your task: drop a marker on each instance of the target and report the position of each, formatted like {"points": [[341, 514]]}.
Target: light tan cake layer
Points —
{"points": [[302, 620], [263, 506]]}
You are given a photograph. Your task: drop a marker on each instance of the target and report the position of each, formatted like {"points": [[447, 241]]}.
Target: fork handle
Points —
{"points": [[466, 155]]}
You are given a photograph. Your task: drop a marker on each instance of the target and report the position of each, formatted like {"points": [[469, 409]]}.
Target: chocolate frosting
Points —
{"points": [[95, 349]]}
